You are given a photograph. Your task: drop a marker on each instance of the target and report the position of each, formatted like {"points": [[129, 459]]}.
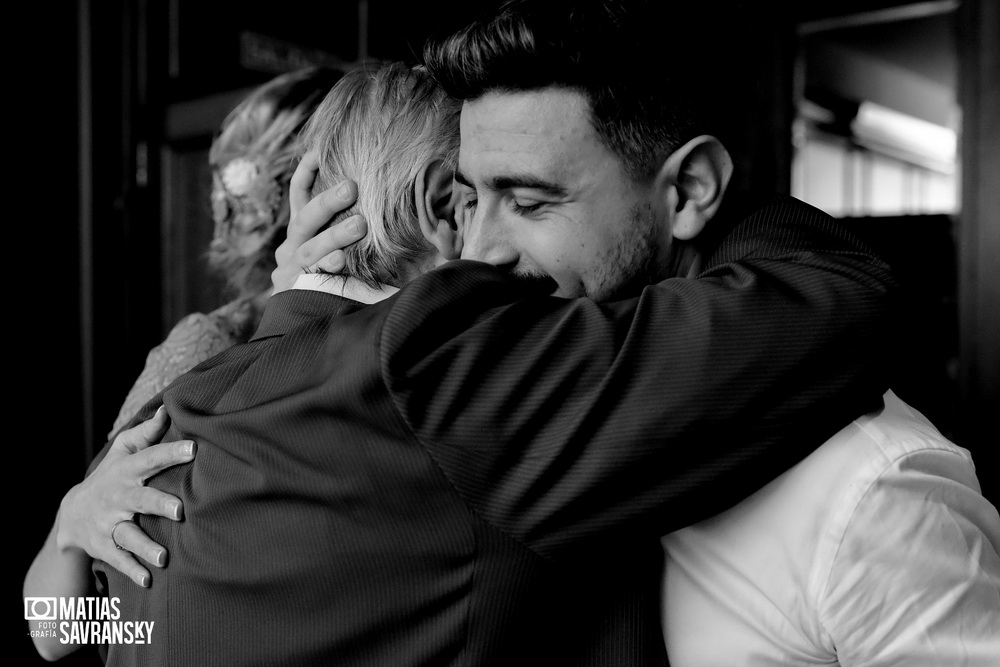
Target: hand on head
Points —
{"points": [[306, 249]]}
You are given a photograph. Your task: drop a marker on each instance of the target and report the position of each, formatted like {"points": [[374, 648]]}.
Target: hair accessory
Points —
{"points": [[239, 175], [246, 201]]}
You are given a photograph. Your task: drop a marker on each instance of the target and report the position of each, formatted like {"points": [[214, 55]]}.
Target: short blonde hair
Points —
{"points": [[379, 127], [252, 161]]}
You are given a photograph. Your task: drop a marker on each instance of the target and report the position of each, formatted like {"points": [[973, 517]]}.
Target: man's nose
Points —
{"points": [[486, 240]]}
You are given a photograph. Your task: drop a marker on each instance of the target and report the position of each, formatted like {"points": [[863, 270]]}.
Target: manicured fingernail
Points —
{"points": [[359, 226], [144, 580], [188, 448], [344, 189], [160, 558], [174, 509], [159, 410]]}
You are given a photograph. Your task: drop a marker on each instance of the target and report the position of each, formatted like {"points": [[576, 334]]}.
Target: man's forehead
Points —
{"points": [[546, 131], [549, 112]]}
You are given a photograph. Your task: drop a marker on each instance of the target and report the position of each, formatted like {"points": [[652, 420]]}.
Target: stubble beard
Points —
{"points": [[632, 262]]}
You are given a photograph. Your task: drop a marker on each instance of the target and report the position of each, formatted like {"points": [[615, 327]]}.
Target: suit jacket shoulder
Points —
{"points": [[566, 421]]}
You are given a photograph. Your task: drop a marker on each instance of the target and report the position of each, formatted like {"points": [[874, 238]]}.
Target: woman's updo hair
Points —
{"points": [[252, 161]]}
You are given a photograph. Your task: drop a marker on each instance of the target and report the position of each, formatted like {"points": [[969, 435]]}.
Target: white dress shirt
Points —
{"points": [[347, 287], [877, 549]]}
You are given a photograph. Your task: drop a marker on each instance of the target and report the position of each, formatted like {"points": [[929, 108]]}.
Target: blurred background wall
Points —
{"points": [[882, 113]]}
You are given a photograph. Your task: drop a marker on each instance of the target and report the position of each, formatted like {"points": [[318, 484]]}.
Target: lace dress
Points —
{"points": [[192, 340]]}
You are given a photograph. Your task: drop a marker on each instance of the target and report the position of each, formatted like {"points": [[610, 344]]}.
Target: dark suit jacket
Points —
{"points": [[469, 474]]}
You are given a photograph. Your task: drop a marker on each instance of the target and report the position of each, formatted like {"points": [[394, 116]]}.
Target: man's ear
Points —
{"points": [[692, 182], [435, 195]]}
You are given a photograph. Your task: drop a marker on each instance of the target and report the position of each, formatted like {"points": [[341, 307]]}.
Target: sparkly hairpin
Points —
{"points": [[239, 175], [246, 203]]}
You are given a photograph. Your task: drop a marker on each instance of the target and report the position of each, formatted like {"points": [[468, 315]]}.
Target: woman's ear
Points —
{"points": [[693, 181], [436, 196]]}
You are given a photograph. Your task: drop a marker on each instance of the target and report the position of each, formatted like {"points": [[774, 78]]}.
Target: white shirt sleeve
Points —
{"points": [[916, 578]]}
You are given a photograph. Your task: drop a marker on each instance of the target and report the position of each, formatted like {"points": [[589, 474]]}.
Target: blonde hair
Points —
{"points": [[252, 159], [379, 127]]}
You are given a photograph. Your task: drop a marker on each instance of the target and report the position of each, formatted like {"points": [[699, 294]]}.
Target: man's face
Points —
{"points": [[545, 198]]}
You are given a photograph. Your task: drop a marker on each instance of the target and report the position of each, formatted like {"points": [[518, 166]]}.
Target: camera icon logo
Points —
{"points": [[40, 609]]}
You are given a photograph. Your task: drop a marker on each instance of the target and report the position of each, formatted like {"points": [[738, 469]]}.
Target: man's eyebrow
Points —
{"points": [[528, 182], [516, 181]]}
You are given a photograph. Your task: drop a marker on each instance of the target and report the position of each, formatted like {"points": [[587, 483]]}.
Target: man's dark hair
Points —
{"points": [[652, 71]]}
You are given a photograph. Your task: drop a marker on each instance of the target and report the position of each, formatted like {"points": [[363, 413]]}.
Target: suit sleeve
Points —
{"points": [[192, 340], [566, 422]]}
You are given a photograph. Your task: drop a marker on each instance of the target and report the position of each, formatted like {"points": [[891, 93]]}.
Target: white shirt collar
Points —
{"points": [[349, 288]]}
